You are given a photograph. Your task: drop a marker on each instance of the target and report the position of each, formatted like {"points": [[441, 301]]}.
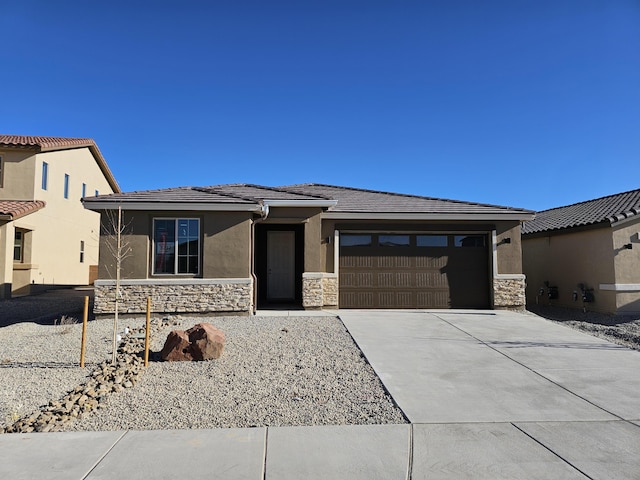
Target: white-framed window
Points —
{"points": [[18, 246], [66, 185], [45, 175], [81, 251], [176, 246]]}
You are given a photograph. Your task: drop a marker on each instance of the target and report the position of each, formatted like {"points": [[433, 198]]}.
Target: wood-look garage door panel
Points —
{"points": [[414, 277]]}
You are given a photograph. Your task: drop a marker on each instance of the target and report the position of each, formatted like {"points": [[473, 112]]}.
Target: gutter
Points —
{"points": [[264, 213]]}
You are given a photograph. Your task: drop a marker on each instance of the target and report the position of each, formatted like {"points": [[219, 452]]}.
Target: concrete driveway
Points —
{"points": [[493, 394]]}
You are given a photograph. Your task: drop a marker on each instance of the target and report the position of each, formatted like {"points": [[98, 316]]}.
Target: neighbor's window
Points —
{"points": [[1, 172], [18, 246], [393, 240], [176, 246], [355, 240], [66, 185], [45, 175], [84, 190], [432, 240], [81, 251], [469, 241], [97, 193]]}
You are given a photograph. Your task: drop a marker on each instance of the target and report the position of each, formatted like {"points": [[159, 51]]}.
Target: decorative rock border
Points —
{"points": [[106, 379]]}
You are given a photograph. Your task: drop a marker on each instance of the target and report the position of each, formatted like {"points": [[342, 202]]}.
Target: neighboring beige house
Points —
{"points": [[47, 238], [590, 248], [235, 248]]}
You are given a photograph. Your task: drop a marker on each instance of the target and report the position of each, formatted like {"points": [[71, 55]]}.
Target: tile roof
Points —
{"points": [[44, 143], [230, 194], [349, 200], [358, 200], [51, 144], [168, 195], [606, 210], [14, 209]]}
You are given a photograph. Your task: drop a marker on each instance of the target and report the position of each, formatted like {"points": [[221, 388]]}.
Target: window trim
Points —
{"points": [[175, 248]]}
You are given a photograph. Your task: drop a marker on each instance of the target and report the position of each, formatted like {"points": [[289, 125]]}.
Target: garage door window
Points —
{"points": [[469, 241], [351, 240], [432, 240], [393, 240]]}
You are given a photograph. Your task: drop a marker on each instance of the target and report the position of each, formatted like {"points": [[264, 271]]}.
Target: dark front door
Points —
{"points": [[279, 264]]}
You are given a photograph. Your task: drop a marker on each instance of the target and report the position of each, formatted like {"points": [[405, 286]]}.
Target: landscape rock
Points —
{"points": [[83, 399], [203, 341], [207, 342]]}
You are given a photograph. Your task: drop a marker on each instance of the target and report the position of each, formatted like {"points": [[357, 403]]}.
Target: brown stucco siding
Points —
{"points": [[509, 255], [226, 245], [566, 260]]}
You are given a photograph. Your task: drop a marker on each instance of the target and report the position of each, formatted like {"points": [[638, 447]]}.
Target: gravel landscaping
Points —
{"points": [[620, 329], [274, 371]]}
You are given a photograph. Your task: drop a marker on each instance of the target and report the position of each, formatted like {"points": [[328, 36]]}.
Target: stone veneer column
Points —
{"points": [[509, 292], [319, 290]]}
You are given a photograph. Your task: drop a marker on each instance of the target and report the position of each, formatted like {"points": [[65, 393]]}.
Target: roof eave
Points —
{"points": [[515, 216], [170, 206]]}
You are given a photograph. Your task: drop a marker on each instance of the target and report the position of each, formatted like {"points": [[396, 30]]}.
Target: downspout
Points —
{"points": [[264, 213]]}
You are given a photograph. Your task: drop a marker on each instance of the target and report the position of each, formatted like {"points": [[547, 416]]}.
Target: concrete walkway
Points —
{"points": [[489, 395]]}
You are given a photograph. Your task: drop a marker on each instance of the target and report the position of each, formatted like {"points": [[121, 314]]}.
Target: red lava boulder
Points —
{"points": [[201, 342]]}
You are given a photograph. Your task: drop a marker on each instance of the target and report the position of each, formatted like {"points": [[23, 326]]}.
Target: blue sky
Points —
{"points": [[532, 104]]}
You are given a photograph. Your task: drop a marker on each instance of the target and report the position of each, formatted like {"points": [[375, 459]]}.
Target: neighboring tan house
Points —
{"points": [[587, 251], [235, 248], [47, 238]]}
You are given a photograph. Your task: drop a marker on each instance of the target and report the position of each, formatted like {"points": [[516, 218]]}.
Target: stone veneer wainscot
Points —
{"points": [[175, 295]]}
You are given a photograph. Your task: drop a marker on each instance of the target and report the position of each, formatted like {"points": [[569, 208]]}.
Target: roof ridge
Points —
{"points": [[211, 188], [409, 195]]}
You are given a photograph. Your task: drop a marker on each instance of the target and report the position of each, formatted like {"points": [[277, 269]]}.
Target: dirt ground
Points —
{"points": [[620, 329]]}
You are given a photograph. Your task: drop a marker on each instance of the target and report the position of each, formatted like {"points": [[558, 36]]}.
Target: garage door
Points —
{"points": [[398, 270]]}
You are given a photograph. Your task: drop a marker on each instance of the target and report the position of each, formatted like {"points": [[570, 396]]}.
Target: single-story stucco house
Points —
{"points": [[586, 255], [235, 248]]}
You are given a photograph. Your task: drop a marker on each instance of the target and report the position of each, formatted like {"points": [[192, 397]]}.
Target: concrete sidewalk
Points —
{"points": [[489, 395]]}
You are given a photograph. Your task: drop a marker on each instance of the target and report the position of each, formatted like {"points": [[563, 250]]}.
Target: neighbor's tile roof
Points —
{"points": [[50, 144], [44, 143], [14, 209], [356, 200], [606, 210]]}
